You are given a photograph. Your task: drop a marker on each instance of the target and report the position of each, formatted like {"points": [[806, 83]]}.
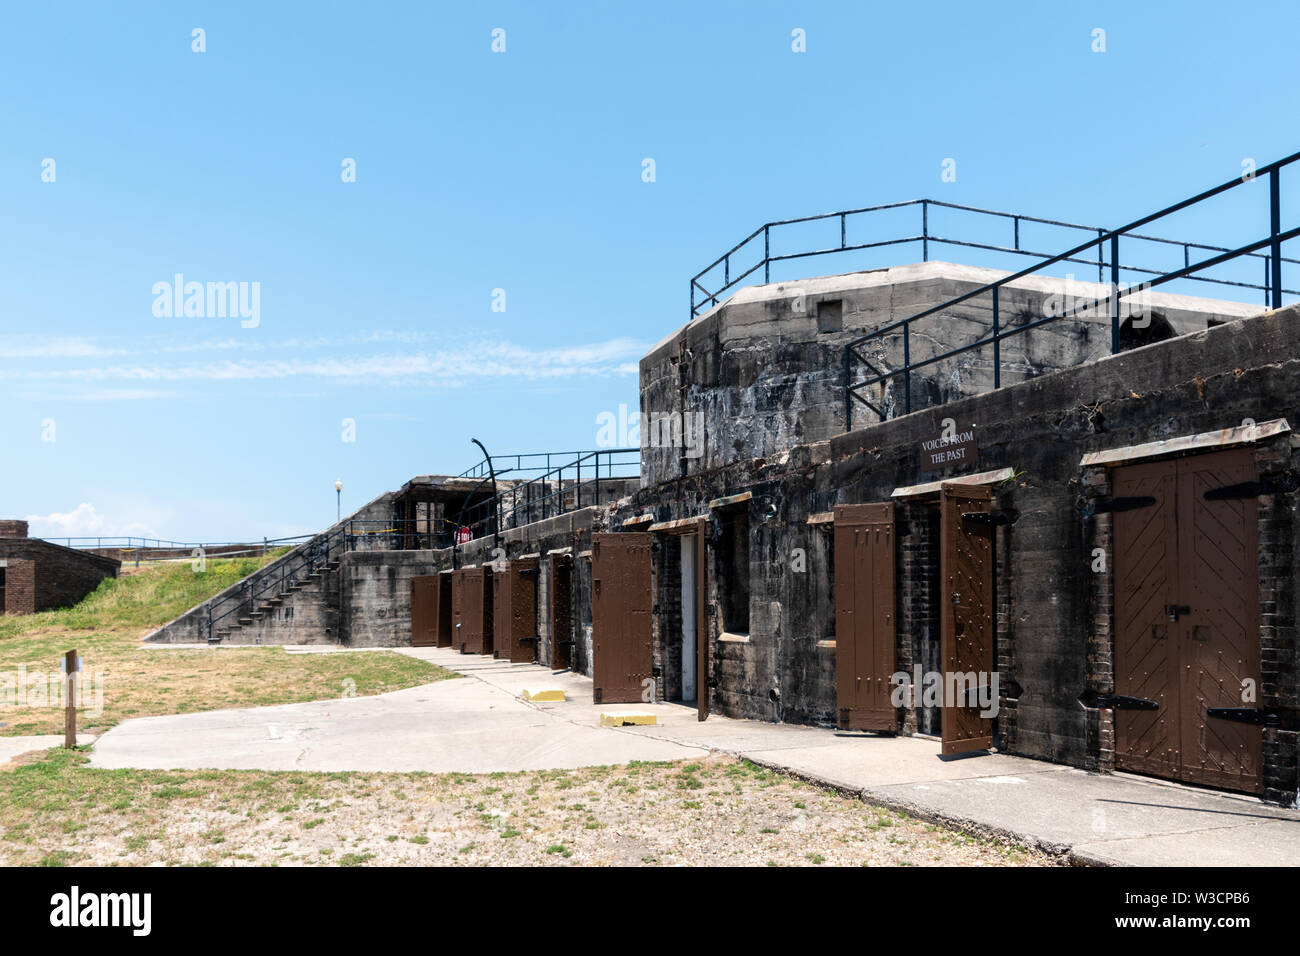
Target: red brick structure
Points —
{"points": [[36, 575]]}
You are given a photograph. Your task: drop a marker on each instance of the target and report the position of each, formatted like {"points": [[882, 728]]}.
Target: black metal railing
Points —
{"points": [[132, 543], [722, 269], [557, 490], [541, 462], [1273, 287], [278, 577]]}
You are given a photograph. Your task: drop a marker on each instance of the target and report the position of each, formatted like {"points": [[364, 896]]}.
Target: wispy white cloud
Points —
{"points": [[443, 367], [39, 347], [83, 521]]}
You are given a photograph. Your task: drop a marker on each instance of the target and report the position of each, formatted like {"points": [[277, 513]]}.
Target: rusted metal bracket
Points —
{"points": [[1118, 701], [1101, 506], [1260, 716], [1282, 484]]}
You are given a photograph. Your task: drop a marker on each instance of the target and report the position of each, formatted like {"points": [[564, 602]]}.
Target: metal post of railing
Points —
{"points": [[907, 368], [1114, 294], [997, 343], [925, 231], [767, 258], [843, 232], [1275, 229], [848, 394], [1016, 219], [577, 494]]}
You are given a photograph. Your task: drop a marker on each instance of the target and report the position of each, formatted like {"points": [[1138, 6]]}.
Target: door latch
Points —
{"points": [[1173, 610]]}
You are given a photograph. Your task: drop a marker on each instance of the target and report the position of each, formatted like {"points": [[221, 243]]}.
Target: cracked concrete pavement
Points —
{"points": [[481, 724]]}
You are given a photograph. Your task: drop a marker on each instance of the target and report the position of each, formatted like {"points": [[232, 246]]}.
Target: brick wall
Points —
{"points": [[13, 528], [20, 586], [917, 584], [1279, 673], [61, 576], [666, 624]]}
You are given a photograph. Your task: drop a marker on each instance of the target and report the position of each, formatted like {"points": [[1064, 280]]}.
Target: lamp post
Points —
{"points": [[338, 491]]}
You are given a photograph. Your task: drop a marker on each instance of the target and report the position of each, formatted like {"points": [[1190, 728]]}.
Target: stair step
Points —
{"points": [[245, 620]]}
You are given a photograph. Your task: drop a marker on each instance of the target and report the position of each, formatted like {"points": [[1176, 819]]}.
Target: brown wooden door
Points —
{"points": [[561, 614], [966, 613], [501, 630], [1187, 619], [864, 616], [442, 618], [702, 655], [458, 610], [621, 589], [523, 610], [471, 601], [1145, 572], [423, 610]]}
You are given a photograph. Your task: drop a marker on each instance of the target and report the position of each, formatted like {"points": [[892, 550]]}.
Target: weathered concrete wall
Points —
{"points": [[765, 368], [1197, 383], [375, 595]]}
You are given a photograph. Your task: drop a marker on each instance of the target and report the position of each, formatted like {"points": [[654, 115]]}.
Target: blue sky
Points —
{"points": [[519, 171]]}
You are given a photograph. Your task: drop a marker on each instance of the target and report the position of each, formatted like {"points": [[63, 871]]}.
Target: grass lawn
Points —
{"points": [[139, 680], [716, 811]]}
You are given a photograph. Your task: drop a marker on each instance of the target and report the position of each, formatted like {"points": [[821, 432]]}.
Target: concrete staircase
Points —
{"points": [[292, 600], [304, 612]]}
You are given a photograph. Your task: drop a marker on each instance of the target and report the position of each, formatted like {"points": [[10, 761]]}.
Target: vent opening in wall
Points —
{"points": [[830, 316]]}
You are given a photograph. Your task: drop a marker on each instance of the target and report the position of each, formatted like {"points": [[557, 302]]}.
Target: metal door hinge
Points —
{"points": [[1101, 506], [1118, 702], [1260, 716], [1268, 485]]}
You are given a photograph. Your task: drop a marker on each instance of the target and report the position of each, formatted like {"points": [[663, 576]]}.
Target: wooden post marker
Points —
{"points": [[70, 699]]}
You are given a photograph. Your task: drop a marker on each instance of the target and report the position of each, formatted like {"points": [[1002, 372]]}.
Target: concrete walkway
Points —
{"points": [[481, 724]]}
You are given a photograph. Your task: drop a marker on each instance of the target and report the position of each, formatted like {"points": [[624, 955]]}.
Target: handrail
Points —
{"points": [[131, 542], [282, 574], [707, 299], [532, 495], [1273, 288], [479, 469]]}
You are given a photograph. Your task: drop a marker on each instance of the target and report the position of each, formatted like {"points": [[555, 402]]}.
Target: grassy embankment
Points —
{"points": [[140, 680]]}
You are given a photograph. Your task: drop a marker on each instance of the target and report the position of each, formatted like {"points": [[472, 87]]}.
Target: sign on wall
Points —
{"points": [[955, 446]]}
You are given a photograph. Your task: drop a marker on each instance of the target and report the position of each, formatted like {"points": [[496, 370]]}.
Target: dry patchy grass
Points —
{"points": [[716, 811], [140, 681]]}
